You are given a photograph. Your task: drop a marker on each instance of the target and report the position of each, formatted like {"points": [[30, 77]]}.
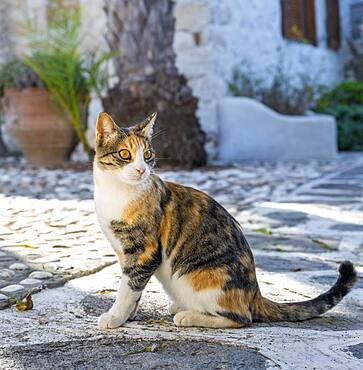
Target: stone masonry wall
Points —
{"points": [[195, 59], [214, 36]]}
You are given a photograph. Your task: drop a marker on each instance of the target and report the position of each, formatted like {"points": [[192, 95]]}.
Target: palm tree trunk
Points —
{"points": [[142, 33]]}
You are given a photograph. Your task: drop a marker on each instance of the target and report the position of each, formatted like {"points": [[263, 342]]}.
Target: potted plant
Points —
{"points": [[14, 76], [49, 119], [40, 130]]}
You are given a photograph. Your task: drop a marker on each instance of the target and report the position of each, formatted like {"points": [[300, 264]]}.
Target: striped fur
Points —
{"points": [[186, 239]]}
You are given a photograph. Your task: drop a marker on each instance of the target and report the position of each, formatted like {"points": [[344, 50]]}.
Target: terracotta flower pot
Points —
{"points": [[44, 135]]}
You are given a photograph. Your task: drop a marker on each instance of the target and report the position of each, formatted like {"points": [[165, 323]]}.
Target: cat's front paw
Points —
{"points": [[109, 321], [184, 318]]}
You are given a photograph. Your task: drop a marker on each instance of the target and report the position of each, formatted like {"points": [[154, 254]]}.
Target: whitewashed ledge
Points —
{"points": [[251, 130]]}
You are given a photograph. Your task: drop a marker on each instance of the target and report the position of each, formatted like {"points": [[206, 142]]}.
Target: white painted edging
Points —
{"points": [[251, 130]]}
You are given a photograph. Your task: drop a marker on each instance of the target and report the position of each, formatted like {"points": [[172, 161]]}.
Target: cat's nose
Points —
{"points": [[140, 170]]}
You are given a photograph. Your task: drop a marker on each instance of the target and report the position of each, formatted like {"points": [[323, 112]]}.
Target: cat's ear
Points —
{"points": [[146, 127], [105, 126]]}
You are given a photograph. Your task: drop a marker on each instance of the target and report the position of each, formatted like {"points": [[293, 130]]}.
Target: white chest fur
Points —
{"points": [[111, 199]]}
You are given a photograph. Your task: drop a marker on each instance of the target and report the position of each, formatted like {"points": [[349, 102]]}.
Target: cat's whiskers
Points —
{"points": [[158, 133]]}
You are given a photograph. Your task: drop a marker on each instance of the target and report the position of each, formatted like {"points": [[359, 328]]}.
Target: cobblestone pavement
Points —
{"points": [[300, 219]]}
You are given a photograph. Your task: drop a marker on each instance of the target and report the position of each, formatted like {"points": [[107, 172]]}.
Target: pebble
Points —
{"points": [[4, 301], [6, 274], [19, 266], [3, 283], [13, 290], [31, 283], [40, 275]]}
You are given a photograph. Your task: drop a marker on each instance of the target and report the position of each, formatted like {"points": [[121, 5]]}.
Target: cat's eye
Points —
{"points": [[124, 154], [148, 154]]}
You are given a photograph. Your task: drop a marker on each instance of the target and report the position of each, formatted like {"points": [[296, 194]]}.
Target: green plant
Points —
{"points": [[345, 103], [68, 74], [347, 93], [245, 84], [284, 94], [17, 75]]}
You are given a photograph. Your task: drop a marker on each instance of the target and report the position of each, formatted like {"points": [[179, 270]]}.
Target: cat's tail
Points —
{"points": [[266, 310]]}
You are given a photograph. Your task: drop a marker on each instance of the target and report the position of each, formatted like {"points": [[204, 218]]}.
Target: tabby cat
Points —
{"points": [[193, 246]]}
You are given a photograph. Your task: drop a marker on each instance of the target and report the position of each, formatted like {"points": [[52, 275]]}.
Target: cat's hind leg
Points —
{"points": [[226, 309], [203, 320]]}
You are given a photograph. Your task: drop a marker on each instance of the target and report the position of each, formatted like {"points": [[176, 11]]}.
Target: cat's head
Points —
{"points": [[127, 152]]}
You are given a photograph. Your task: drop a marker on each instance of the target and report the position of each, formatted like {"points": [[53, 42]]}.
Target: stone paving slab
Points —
{"points": [[291, 243], [275, 263], [356, 350], [329, 281], [118, 353]]}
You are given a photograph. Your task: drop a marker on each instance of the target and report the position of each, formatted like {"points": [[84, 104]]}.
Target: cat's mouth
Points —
{"points": [[135, 180]]}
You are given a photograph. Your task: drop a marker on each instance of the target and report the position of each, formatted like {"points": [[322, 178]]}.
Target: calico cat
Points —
{"points": [[193, 246]]}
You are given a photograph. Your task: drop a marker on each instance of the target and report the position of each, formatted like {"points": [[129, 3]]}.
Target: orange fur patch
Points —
{"points": [[165, 225], [212, 278], [145, 203], [132, 143], [132, 211], [237, 301], [144, 257]]}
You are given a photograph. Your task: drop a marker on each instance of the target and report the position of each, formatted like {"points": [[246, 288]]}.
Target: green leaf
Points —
{"points": [[106, 291], [26, 246], [25, 304], [322, 244], [345, 103], [263, 231], [152, 348]]}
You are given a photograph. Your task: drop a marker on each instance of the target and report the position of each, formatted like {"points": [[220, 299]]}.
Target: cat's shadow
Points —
{"points": [[95, 305]]}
